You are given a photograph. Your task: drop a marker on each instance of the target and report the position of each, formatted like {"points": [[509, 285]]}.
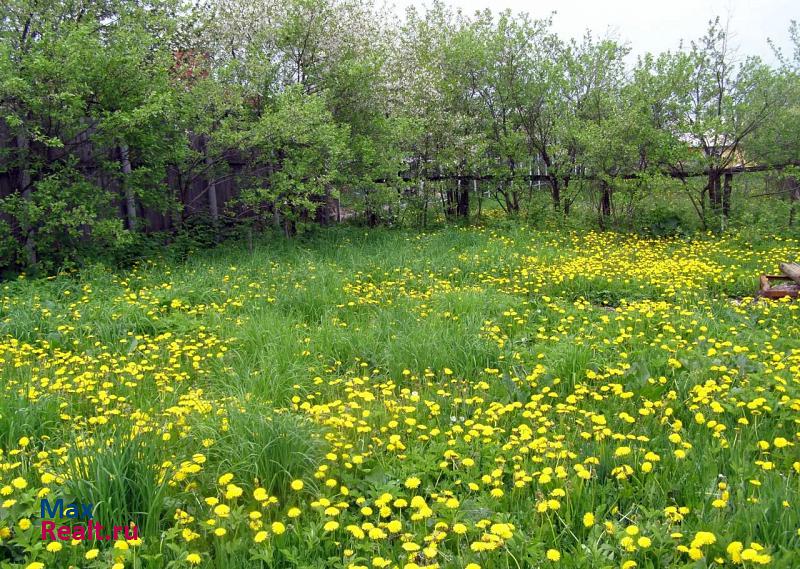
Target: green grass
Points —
{"points": [[518, 349]]}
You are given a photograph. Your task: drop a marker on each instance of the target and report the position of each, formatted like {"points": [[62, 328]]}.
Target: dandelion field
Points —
{"points": [[490, 397]]}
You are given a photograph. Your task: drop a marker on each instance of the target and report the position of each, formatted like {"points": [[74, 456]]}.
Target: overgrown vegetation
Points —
{"points": [[119, 118], [529, 339], [492, 396]]}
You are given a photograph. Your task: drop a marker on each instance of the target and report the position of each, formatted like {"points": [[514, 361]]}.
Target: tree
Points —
{"points": [[777, 142], [504, 63], [606, 118], [133, 112], [629, 135], [725, 102], [302, 149], [81, 74], [545, 116], [418, 86]]}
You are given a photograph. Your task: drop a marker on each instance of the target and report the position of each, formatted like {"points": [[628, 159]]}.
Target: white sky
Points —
{"points": [[654, 26]]}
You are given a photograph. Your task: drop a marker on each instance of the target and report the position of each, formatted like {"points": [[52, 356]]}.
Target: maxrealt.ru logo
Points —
{"points": [[90, 531]]}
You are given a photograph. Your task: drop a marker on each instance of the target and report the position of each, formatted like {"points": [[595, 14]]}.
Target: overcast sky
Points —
{"points": [[655, 26]]}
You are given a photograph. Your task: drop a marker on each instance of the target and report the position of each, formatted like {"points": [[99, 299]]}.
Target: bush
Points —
{"points": [[663, 222]]}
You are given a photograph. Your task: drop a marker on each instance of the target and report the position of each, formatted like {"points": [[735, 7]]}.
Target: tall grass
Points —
{"points": [[123, 481], [271, 447]]}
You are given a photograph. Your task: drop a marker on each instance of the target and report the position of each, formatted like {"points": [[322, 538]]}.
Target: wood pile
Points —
{"points": [[785, 284]]}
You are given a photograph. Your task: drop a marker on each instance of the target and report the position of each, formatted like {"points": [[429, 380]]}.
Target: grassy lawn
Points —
{"points": [[491, 397]]}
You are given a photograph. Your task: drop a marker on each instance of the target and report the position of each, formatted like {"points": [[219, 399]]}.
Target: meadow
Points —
{"points": [[468, 397]]}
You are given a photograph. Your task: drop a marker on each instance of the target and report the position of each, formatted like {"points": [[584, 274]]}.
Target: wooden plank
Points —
{"points": [[791, 270]]}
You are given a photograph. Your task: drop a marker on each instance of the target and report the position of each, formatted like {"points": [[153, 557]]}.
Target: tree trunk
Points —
{"points": [[449, 201], [513, 193], [567, 201], [250, 245], [794, 197], [289, 228], [323, 214], [514, 197], [506, 204], [463, 200], [555, 193], [424, 197], [714, 191], [605, 202], [23, 147], [703, 208], [451, 198], [276, 213], [478, 196], [177, 214], [726, 195], [130, 198], [289, 225], [276, 216]]}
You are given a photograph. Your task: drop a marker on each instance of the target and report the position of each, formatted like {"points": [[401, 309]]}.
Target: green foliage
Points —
{"points": [[304, 147], [663, 222], [82, 81], [118, 110]]}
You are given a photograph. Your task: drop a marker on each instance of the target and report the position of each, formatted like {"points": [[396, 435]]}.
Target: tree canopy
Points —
{"points": [[110, 111]]}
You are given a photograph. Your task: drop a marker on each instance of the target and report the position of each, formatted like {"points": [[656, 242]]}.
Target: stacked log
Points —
{"points": [[785, 284], [791, 270]]}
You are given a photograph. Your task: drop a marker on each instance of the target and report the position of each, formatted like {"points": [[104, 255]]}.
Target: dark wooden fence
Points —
{"points": [[193, 196]]}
